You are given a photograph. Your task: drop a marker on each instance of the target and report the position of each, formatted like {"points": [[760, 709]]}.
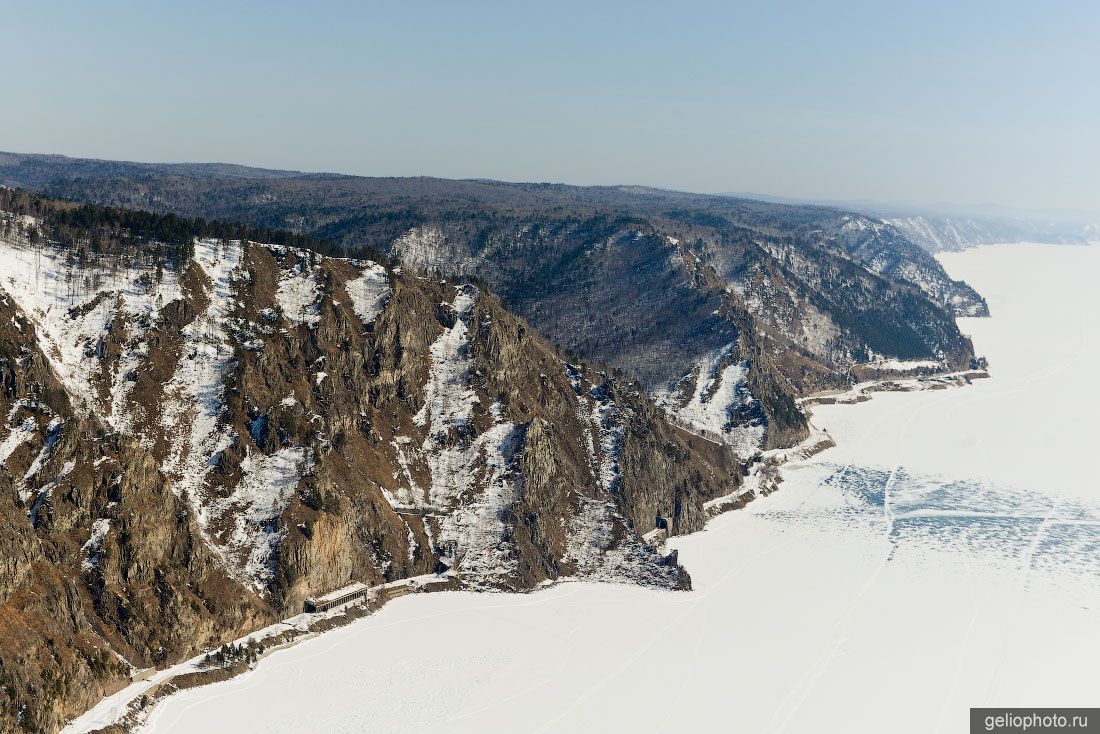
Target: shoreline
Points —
{"points": [[149, 688], [765, 477], [969, 627]]}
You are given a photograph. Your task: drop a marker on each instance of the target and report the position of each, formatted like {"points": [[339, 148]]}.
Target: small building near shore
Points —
{"points": [[333, 599]]}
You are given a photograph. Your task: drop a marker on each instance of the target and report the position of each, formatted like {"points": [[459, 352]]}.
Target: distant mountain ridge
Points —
{"points": [[947, 234], [950, 227], [37, 169]]}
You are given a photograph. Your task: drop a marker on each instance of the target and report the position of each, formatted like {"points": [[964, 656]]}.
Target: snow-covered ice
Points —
{"points": [[941, 557]]}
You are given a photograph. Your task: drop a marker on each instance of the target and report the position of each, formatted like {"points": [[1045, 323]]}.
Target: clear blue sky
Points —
{"points": [[926, 101]]}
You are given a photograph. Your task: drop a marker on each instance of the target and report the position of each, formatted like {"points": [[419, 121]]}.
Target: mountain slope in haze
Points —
{"points": [[888, 250], [675, 290], [945, 233], [952, 227], [200, 430]]}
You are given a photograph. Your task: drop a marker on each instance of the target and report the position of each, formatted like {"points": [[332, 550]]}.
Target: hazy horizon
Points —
{"points": [[867, 204], [985, 103]]}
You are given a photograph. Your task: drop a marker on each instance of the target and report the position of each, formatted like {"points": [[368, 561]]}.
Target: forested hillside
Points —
{"points": [[657, 284]]}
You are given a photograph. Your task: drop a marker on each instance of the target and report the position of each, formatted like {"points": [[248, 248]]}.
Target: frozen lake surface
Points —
{"points": [[945, 555]]}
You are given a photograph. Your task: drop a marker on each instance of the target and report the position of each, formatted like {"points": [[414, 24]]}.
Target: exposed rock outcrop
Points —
{"points": [[190, 447]]}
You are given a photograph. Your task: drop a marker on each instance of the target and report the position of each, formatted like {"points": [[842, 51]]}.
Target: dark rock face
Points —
{"points": [[193, 451], [149, 590]]}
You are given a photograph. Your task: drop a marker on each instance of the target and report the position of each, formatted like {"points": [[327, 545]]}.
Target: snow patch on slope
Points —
{"points": [[253, 508], [449, 404], [477, 525], [602, 550], [796, 318], [609, 421], [53, 434], [473, 478], [194, 397], [369, 292], [299, 292], [410, 495], [73, 310], [427, 248], [604, 422], [241, 526], [91, 549], [17, 436], [718, 402], [903, 365]]}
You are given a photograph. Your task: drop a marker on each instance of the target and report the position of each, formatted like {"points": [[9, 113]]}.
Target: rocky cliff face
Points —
{"points": [[201, 428], [665, 287], [190, 446], [102, 563], [668, 303]]}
